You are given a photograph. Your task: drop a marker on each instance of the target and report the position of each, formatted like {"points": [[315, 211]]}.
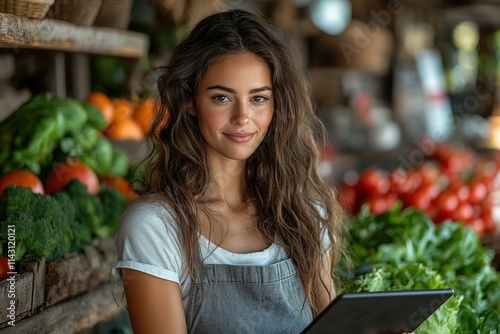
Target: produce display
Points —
{"points": [[405, 249], [450, 184], [48, 129], [66, 221], [62, 181]]}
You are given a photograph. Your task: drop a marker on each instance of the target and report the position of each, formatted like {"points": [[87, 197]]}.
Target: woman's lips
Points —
{"points": [[239, 137]]}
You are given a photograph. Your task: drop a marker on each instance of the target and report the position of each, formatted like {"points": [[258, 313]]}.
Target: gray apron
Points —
{"points": [[248, 299]]}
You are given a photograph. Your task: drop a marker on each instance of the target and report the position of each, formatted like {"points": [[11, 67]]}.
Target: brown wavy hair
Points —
{"points": [[295, 206]]}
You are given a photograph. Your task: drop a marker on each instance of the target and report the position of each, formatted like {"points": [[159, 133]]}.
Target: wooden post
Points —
{"points": [[80, 75], [59, 89]]}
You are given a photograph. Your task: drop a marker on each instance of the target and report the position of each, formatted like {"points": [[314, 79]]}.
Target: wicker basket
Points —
{"points": [[82, 12], [114, 14], [35, 9]]}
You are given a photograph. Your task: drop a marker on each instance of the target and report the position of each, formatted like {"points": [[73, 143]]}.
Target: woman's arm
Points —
{"points": [[154, 304], [327, 292]]}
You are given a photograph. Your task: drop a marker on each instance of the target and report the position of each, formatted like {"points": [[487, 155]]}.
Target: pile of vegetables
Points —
{"points": [[404, 249], [125, 119], [62, 182], [446, 182], [55, 225], [48, 129]]}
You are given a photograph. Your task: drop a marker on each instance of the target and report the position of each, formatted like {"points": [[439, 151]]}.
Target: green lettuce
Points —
{"points": [[395, 240]]}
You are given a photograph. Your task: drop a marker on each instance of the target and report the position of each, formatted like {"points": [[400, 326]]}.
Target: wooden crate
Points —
{"points": [[39, 286], [21, 295], [79, 272]]}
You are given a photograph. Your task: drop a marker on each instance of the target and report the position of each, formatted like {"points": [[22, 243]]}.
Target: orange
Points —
{"points": [[124, 129], [122, 108], [120, 184], [102, 102], [143, 114]]}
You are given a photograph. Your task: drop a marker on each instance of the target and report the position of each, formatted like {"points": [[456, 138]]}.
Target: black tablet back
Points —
{"points": [[383, 312]]}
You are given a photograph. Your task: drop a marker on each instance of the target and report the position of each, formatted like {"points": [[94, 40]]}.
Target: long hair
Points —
{"points": [[295, 206]]}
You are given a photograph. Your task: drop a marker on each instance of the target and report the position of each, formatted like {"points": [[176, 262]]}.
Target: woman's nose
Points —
{"points": [[240, 115]]}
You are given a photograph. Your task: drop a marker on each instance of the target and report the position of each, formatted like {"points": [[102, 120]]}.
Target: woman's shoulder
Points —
{"points": [[148, 204], [148, 211]]}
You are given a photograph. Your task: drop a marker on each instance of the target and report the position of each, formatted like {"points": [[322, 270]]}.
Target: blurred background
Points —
{"points": [[384, 73], [407, 90]]}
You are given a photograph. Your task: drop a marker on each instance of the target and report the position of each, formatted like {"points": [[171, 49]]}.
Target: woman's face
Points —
{"points": [[234, 106]]}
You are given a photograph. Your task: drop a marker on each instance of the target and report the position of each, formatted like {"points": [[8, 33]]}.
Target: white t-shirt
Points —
{"points": [[147, 241]]}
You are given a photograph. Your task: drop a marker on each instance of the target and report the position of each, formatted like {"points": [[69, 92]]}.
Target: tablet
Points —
{"points": [[383, 312]]}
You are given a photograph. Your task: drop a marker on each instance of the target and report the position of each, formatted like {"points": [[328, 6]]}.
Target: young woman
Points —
{"points": [[235, 232]]}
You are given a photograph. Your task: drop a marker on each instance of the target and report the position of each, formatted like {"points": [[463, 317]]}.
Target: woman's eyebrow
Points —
{"points": [[261, 89], [230, 90]]}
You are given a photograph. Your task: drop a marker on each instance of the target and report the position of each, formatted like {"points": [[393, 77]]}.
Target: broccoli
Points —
{"points": [[52, 226], [42, 223], [88, 213], [113, 204]]}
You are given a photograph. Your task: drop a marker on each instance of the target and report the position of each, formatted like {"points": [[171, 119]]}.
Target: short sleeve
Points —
{"points": [[147, 241]]}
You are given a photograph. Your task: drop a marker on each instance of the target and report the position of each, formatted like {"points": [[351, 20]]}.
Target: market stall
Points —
{"points": [[408, 95]]}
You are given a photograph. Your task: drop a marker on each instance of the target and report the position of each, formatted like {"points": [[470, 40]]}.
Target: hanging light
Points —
{"points": [[331, 16]]}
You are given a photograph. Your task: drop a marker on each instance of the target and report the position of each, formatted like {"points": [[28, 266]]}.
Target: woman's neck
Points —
{"points": [[227, 185]]}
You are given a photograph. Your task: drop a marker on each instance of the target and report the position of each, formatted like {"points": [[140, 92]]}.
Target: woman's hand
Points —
{"points": [[154, 304]]}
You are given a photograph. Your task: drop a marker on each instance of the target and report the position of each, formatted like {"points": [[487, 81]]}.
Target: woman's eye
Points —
{"points": [[220, 98], [260, 99]]}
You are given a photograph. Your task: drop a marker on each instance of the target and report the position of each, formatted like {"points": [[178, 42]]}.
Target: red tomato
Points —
{"points": [[432, 189], [461, 189], [414, 180], [453, 161], [446, 202], [487, 217], [478, 192], [378, 204], [21, 177], [4, 267], [420, 199], [347, 197], [373, 180], [391, 199], [476, 210], [464, 213], [120, 184], [429, 173], [398, 181], [477, 224], [62, 173]]}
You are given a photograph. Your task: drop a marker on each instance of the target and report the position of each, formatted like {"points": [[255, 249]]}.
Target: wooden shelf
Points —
{"points": [[71, 294], [75, 315], [49, 34]]}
